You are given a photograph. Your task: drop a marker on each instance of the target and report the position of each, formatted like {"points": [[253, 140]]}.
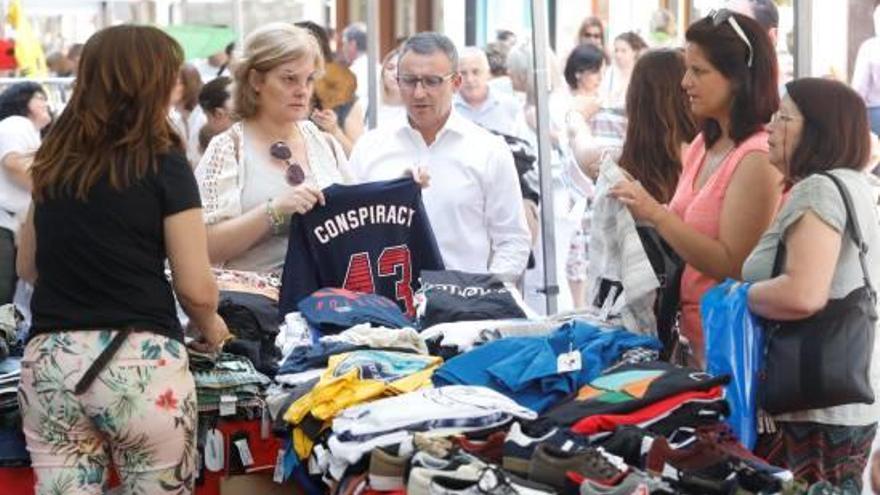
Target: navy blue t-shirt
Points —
{"points": [[373, 238]]}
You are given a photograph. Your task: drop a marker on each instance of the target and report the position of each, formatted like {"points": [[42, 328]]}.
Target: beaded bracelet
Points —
{"points": [[276, 221]]}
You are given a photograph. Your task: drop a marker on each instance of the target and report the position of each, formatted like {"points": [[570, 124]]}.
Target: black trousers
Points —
{"points": [[7, 266]]}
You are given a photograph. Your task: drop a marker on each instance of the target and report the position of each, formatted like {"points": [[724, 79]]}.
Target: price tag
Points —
{"points": [[278, 474], [227, 405], [569, 361], [244, 451]]}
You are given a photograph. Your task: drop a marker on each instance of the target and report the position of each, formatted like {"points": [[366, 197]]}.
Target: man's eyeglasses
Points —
{"points": [[294, 173], [593, 35], [429, 82], [719, 17]]}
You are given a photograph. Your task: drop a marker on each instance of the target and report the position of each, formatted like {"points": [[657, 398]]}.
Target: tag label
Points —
{"points": [[265, 424], [227, 405], [244, 452], [278, 474], [569, 361]]}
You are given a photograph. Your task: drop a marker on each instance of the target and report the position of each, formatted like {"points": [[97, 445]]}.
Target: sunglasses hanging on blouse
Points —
{"points": [[294, 175]]}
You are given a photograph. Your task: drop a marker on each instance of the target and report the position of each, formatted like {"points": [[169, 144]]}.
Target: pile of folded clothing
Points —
{"points": [[227, 383], [13, 452]]}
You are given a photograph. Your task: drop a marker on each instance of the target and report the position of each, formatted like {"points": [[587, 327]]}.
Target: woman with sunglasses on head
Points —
{"points": [[821, 127], [728, 191], [274, 161], [592, 31]]}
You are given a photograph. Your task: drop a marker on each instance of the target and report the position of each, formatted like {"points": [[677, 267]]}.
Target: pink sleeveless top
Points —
{"points": [[701, 209]]}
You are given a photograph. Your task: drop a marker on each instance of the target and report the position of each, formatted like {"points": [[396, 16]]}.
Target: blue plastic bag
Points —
{"points": [[734, 346]]}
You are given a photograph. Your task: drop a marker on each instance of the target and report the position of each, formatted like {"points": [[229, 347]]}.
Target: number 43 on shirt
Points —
{"points": [[393, 261]]}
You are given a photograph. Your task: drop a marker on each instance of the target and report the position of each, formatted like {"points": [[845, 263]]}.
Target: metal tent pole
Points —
{"points": [[238, 18], [372, 61], [542, 94], [803, 38]]}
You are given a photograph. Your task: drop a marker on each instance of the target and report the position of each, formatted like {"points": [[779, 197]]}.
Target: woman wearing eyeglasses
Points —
{"points": [[274, 162], [728, 191], [821, 127]]}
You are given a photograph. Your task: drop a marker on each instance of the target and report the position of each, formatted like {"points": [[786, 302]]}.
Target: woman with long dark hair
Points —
{"points": [[728, 191], [659, 123], [105, 376]]}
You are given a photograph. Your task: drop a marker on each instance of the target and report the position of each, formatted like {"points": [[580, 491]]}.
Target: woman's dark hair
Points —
{"points": [[659, 121], [755, 91], [192, 85], [584, 57], [14, 100], [321, 35], [214, 94], [836, 133], [633, 40], [116, 123]]}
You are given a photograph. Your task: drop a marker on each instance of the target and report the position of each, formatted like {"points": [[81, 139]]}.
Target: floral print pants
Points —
{"points": [[138, 416]]}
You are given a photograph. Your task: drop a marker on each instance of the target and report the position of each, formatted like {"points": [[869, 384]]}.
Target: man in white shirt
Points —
{"points": [[477, 102], [354, 51], [473, 200]]}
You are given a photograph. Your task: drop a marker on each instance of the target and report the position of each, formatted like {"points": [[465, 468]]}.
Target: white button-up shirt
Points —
{"points": [[500, 113], [473, 200]]}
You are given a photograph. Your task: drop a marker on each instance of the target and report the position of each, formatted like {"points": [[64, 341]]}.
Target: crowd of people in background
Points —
{"points": [[219, 153]]}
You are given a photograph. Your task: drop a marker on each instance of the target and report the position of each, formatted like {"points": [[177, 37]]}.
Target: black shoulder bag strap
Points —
{"points": [[852, 227], [856, 232]]}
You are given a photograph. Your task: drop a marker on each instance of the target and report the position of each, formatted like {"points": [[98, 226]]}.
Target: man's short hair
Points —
{"points": [[356, 32], [766, 13], [496, 54], [474, 52], [429, 43], [505, 35]]}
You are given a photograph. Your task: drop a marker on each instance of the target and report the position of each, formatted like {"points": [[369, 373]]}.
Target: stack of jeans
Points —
{"points": [[227, 380], [12, 444]]}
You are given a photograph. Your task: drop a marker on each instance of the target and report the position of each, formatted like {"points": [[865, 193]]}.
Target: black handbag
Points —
{"points": [[668, 266], [824, 360]]}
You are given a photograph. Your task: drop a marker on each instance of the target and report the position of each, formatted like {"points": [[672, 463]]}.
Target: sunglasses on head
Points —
{"points": [[294, 175], [719, 17]]}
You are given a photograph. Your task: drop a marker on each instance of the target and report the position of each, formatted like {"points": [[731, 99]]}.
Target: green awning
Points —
{"points": [[201, 41]]}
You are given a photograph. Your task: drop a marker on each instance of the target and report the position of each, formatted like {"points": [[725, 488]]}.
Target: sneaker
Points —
{"points": [[635, 483], [722, 435], [523, 439], [698, 457], [423, 467], [432, 444], [490, 449], [824, 488], [387, 469], [492, 481], [631, 443], [550, 464]]}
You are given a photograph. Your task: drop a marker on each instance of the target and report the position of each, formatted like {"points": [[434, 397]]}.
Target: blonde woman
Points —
{"points": [[273, 162]]}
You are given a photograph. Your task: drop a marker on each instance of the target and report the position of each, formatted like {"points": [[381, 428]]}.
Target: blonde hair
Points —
{"points": [[265, 48]]}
